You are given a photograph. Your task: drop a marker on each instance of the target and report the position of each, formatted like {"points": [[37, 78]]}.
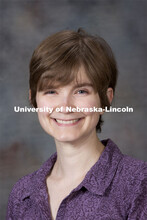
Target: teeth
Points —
{"points": [[66, 122]]}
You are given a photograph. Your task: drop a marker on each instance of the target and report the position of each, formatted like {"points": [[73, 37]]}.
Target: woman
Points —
{"points": [[86, 178]]}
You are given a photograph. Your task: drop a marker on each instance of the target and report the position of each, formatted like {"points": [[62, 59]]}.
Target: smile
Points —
{"points": [[67, 122]]}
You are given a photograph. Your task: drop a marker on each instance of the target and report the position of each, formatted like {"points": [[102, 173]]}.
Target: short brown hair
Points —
{"points": [[58, 58]]}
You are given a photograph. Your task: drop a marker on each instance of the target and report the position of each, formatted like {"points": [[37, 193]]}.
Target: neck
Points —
{"points": [[75, 159]]}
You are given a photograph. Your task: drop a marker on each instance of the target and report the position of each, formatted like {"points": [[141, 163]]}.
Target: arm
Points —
{"points": [[138, 209], [10, 207]]}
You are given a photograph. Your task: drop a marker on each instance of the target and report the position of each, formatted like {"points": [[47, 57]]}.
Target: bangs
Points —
{"points": [[63, 75]]}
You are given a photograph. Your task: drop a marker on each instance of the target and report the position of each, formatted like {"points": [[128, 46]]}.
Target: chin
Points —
{"points": [[66, 137]]}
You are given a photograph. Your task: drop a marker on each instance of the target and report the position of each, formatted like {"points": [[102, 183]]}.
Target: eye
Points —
{"points": [[50, 92], [82, 91]]}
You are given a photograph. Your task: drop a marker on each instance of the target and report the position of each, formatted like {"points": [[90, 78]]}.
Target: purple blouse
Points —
{"points": [[114, 188]]}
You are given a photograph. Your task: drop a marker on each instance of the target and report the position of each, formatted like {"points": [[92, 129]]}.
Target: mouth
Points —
{"points": [[62, 122]]}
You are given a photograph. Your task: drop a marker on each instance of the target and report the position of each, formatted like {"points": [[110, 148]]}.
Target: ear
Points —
{"points": [[30, 95], [110, 95]]}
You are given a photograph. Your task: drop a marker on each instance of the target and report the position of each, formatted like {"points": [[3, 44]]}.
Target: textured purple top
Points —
{"points": [[114, 188]]}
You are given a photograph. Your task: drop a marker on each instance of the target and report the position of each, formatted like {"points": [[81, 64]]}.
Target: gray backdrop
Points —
{"points": [[23, 144]]}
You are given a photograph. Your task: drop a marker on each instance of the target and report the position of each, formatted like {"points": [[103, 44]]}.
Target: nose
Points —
{"points": [[66, 101]]}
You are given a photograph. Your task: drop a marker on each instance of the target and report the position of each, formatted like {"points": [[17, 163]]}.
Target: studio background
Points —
{"points": [[24, 146]]}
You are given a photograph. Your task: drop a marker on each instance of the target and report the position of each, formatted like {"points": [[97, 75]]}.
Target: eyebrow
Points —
{"points": [[78, 85], [82, 85]]}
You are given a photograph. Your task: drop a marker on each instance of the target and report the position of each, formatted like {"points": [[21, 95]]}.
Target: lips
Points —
{"points": [[67, 122]]}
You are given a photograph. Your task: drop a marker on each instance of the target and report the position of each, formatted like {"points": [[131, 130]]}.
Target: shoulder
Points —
{"points": [[132, 180], [133, 168], [129, 185], [130, 175], [26, 185], [20, 190], [133, 183], [22, 187], [127, 165]]}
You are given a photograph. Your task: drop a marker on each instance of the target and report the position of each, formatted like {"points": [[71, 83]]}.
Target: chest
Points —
{"points": [[81, 204], [57, 192]]}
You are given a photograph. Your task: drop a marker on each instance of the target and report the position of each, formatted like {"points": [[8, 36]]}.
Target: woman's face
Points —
{"points": [[69, 126]]}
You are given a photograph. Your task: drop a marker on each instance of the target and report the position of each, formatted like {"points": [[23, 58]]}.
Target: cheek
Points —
{"points": [[87, 104], [93, 116], [90, 103], [44, 102], [42, 117]]}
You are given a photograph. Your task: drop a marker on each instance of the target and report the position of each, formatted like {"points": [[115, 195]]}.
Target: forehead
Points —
{"points": [[80, 79], [76, 78], [81, 76]]}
